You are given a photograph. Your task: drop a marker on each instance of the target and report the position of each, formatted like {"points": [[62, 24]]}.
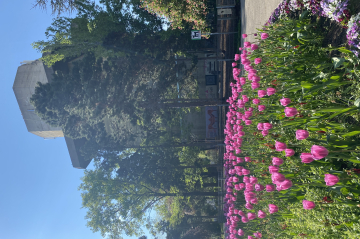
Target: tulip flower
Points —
{"points": [[270, 188], [249, 206], [277, 178], [284, 185], [270, 91], [240, 232], [285, 101], [254, 47], [242, 80], [247, 44], [247, 159], [331, 180], [273, 169], [246, 179], [279, 146], [301, 134], [261, 107], [259, 187], [319, 152], [233, 64], [244, 219], [308, 205], [251, 215], [264, 132], [306, 157], [244, 35], [267, 126], [277, 161], [289, 152], [264, 36], [273, 208], [241, 213], [257, 234], [257, 60], [260, 126], [289, 111], [261, 214], [256, 101], [261, 93], [255, 85], [237, 57]]}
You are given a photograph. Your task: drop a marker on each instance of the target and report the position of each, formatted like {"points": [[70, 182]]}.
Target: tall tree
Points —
{"points": [[57, 6]]}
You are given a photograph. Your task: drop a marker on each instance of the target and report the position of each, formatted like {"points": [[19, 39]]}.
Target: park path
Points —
{"points": [[254, 14]]}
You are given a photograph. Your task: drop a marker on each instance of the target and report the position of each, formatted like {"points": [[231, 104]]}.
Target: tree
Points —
{"points": [[114, 28], [57, 6], [117, 206]]}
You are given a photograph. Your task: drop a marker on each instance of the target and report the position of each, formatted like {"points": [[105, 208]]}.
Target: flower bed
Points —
{"points": [[292, 134]]}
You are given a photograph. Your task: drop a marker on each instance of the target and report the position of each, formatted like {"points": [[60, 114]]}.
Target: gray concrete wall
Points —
{"points": [[26, 79], [254, 14]]}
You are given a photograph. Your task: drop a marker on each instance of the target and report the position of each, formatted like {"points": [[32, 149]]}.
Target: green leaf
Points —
{"points": [[337, 61], [344, 50], [344, 191], [352, 133], [357, 102]]}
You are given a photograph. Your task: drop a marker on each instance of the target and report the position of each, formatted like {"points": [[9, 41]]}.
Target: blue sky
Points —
{"points": [[39, 196]]}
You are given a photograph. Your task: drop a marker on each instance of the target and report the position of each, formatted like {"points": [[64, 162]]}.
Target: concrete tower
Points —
{"points": [[26, 79]]}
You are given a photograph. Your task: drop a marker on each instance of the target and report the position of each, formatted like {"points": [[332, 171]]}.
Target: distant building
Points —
{"points": [[27, 76]]}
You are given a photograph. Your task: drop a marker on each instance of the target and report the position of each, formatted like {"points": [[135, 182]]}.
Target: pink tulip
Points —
{"points": [[256, 101], [247, 159], [251, 215], [245, 98], [240, 232], [319, 152], [255, 85], [273, 208], [267, 126], [270, 91], [259, 187], [261, 93], [308, 205], [253, 179], [244, 35], [241, 213], [249, 206], [285, 101], [264, 36], [254, 47], [242, 80], [254, 201], [261, 107], [273, 169], [270, 188], [289, 111], [248, 122], [264, 132], [279, 146], [250, 237], [244, 219], [284, 185], [245, 171], [301, 134], [247, 44], [237, 57], [306, 157], [257, 60], [257, 234], [331, 180], [277, 178], [261, 214], [289, 152], [277, 161], [246, 179], [260, 126], [233, 64]]}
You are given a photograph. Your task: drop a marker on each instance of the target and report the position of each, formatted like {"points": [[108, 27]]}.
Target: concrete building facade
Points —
{"points": [[26, 79]]}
